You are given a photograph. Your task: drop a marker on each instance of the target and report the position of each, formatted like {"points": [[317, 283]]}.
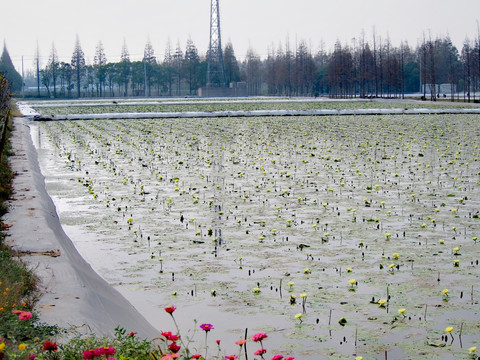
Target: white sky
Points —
{"points": [[256, 24]]}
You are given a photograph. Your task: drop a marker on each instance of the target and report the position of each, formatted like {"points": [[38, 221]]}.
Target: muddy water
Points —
{"points": [[169, 211]]}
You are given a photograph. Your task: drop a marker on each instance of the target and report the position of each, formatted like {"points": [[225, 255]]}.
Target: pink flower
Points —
{"points": [[260, 351], [25, 315], [32, 357], [231, 357], [89, 354], [170, 309], [218, 342], [170, 356], [259, 337], [174, 337], [277, 357], [107, 350], [206, 327], [290, 358]]}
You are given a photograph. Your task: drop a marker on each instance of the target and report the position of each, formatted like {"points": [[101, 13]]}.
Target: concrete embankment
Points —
{"points": [[73, 294]]}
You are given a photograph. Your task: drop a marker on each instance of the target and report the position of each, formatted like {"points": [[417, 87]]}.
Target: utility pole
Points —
{"points": [[215, 66]]}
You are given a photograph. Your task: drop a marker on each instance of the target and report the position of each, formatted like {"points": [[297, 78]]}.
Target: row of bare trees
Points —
{"points": [[363, 68]]}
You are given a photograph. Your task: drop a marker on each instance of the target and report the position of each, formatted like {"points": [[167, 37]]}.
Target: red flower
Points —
{"points": [[218, 342], [173, 347], [231, 357], [50, 346], [196, 356], [169, 336], [277, 357], [206, 327], [259, 337], [32, 357], [290, 358], [132, 333], [4, 226], [260, 351], [170, 309]]}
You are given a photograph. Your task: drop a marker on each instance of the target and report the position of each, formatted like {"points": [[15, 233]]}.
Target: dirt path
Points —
{"points": [[73, 294]]}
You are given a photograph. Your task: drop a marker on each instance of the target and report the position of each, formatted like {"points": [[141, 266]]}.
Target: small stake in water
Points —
{"points": [[460, 335]]}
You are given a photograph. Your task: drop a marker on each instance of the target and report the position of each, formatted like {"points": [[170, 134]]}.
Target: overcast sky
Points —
{"points": [[255, 24]]}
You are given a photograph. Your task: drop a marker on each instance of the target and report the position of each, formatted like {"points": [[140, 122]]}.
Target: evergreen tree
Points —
{"points": [[78, 63], [52, 69], [232, 70], [99, 62], [125, 66], [178, 67], [7, 68], [149, 61], [192, 61], [37, 68]]}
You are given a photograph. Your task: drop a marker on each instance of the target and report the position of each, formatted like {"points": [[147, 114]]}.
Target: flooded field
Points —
{"points": [[337, 236]]}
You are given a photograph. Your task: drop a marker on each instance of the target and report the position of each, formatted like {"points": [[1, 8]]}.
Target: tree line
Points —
{"points": [[363, 68]]}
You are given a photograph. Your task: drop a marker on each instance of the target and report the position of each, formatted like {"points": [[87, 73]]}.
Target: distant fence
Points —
{"points": [[5, 96]]}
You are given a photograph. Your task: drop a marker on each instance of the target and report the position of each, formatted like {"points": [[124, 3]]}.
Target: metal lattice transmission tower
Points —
{"points": [[215, 66]]}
